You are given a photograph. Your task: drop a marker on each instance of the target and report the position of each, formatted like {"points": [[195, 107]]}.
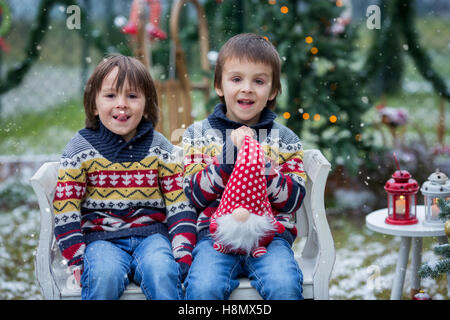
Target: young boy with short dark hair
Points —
{"points": [[247, 80], [120, 211]]}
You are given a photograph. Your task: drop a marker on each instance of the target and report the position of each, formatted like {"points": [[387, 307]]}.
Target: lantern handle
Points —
{"points": [[396, 162]]}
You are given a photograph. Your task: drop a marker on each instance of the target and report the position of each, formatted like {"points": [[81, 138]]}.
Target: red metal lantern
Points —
{"points": [[402, 200]]}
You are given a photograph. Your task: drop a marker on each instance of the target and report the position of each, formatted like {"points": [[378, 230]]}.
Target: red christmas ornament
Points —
{"points": [[244, 222], [152, 27], [421, 296]]}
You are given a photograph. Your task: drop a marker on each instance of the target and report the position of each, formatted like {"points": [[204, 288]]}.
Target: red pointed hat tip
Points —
{"points": [[246, 186]]}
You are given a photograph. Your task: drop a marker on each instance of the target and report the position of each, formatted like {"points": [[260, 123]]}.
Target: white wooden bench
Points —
{"points": [[316, 259]]}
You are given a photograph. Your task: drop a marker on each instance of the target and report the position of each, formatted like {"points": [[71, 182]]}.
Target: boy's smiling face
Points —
{"points": [[246, 88], [120, 112]]}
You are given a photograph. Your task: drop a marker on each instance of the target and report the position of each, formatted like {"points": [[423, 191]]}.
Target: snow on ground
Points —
{"points": [[18, 239], [365, 270], [364, 266], [353, 281]]}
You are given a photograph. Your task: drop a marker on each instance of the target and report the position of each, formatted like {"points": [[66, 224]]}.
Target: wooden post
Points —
{"points": [[181, 68], [141, 50]]}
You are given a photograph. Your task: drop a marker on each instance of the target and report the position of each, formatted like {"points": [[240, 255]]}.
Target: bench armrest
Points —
{"points": [[319, 245], [43, 183]]}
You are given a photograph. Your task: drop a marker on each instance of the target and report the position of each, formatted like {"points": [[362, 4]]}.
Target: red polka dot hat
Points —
{"points": [[247, 185]]}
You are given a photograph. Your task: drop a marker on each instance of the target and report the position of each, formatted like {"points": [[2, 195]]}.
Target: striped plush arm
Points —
{"points": [[181, 215]]}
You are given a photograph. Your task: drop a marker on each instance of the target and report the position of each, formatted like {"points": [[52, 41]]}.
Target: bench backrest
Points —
{"points": [[46, 177], [310, 220]]}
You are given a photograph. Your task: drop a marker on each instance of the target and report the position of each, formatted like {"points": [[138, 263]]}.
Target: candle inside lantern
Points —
{"points": [[400, 205], [435, 209]]}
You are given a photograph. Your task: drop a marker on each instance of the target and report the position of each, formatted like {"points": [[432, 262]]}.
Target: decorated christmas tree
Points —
{"points": [[322, 96], [440, 266]]}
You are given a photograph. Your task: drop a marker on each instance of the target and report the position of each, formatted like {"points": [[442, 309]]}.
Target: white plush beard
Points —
{"points": [[242, 235]]}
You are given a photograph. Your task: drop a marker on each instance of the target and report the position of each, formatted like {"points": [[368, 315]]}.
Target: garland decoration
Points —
{"points": [[15, 74]]}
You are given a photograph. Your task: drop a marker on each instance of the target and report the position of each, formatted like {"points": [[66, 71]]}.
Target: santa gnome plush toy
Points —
{"points": [[244, 222]]}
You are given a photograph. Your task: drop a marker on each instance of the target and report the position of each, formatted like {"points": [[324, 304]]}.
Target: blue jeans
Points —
{"points": [[213, 275], [148, 261]]}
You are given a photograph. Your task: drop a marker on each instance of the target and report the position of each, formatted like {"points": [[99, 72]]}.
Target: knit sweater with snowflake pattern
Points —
{"points": [[108, 188], [209, 157]]}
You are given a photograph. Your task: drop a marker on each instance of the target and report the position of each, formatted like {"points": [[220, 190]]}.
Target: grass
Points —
{"points": [[423, 117], [29, 132], [60, 45], [40, 132], [433, 35]]}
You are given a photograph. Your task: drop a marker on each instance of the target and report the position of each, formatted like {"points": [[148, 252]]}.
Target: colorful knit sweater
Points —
{"points": [[108, 188], [209, 160]]}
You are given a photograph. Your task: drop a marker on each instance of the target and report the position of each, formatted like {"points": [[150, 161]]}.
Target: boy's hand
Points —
{"points": [[237, 136]]}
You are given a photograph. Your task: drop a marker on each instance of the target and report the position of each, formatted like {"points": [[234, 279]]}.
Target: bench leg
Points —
{"points": [[400, 270]]}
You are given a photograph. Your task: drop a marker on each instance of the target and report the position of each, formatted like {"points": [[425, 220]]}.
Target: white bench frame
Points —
{"points": [[316, 259]]}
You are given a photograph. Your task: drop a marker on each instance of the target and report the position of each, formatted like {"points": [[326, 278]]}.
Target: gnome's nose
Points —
{"points": [[240, 214]]}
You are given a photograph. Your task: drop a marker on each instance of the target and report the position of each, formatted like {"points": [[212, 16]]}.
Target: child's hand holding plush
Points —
{"points": [[237, 136]]}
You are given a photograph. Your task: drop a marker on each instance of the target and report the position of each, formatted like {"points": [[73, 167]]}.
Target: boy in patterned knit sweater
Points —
{"points": [[120, 211], [247, 80]]}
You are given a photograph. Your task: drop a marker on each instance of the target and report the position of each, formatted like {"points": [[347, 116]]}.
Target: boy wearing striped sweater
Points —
{"points": [[247, 80], [120, 211]]}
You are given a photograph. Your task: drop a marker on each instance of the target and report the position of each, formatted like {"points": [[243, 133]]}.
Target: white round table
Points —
{"points": [[375, 221]]}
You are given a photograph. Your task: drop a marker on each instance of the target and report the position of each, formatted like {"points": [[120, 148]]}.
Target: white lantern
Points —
{"points": [[437, 186]]}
